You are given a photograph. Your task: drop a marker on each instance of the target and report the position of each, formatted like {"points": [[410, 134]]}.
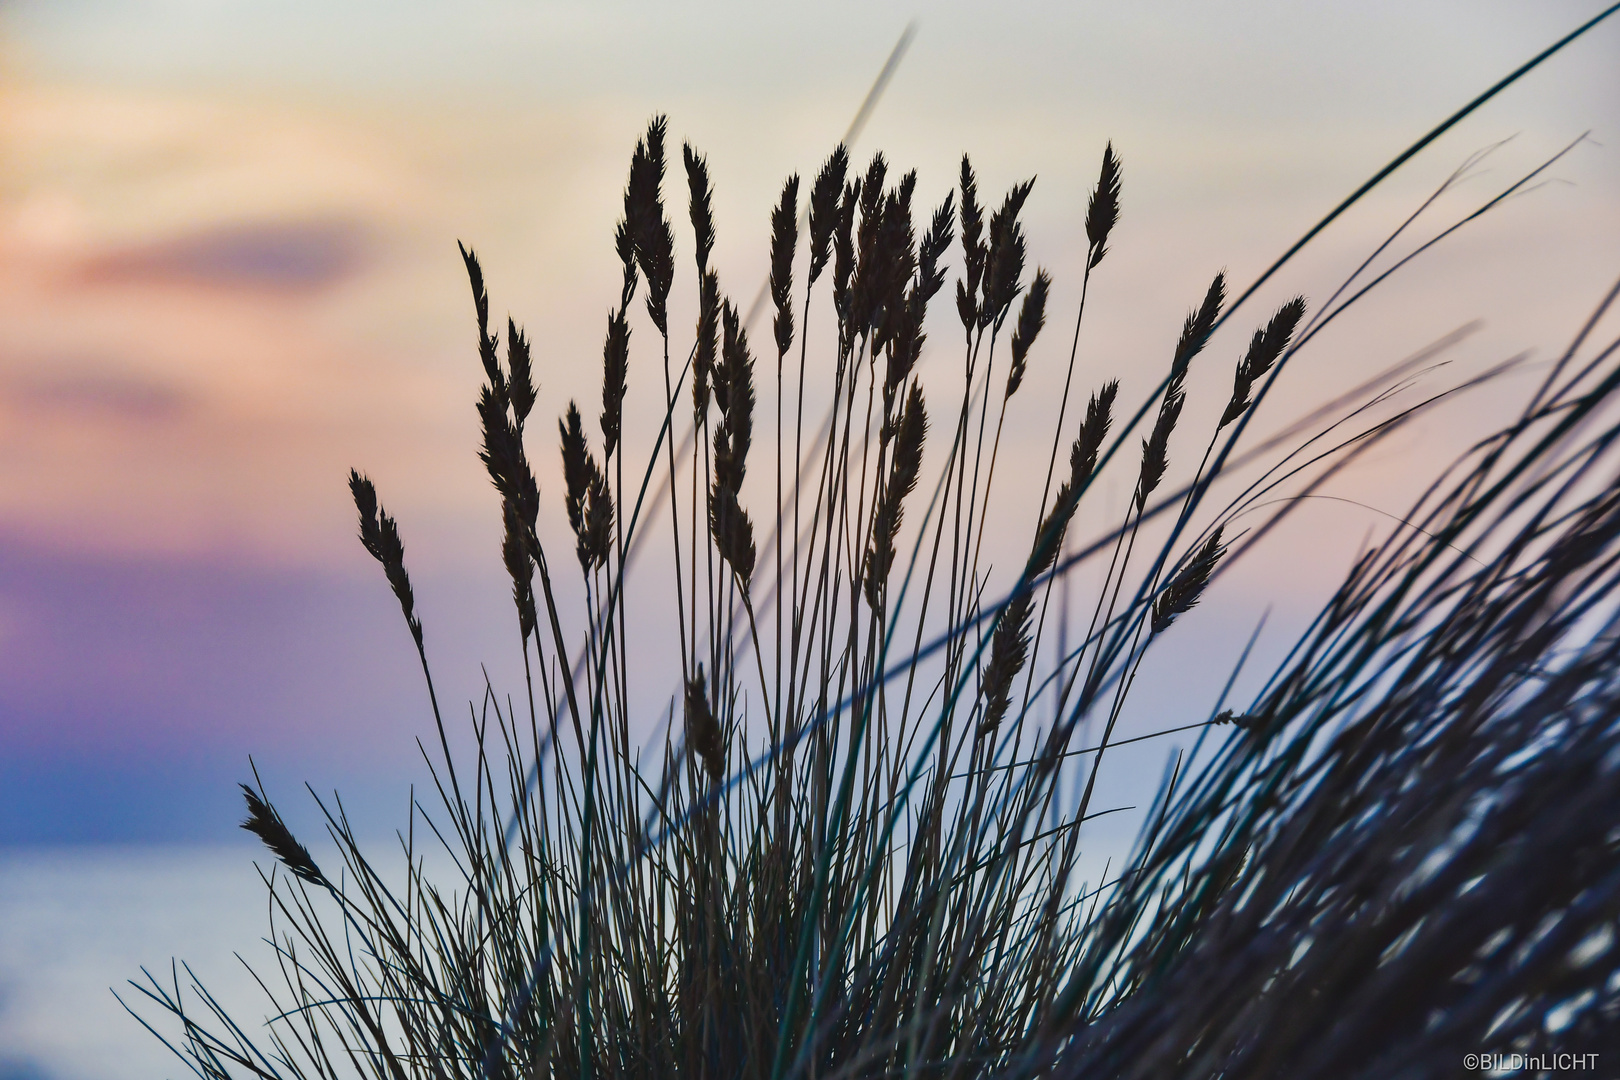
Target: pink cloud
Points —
{"points": [[302, 255]]}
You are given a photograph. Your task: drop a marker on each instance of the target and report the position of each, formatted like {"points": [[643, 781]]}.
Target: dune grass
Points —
{"points": [[856, 851]]}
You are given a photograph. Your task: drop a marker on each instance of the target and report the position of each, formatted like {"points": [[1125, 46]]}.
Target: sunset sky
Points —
{"points": [[228, 273]]}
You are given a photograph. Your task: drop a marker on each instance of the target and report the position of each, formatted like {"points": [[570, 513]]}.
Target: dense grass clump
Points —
{"points": [[856, 850]]}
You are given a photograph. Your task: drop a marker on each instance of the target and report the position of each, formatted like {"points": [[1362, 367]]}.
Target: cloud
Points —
{"points": [[95, 395], [291, 255]]}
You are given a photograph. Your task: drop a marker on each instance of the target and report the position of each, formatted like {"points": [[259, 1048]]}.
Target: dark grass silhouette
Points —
{"points": [[856, 851]]}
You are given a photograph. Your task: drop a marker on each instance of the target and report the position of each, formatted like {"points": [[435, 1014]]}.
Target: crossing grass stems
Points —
{"points": [[856, 850]]}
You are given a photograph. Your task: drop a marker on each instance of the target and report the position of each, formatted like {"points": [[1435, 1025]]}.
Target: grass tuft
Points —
{"points": [[860, 849]]}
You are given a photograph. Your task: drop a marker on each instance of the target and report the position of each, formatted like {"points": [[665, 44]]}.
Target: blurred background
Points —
{"points": [[228, 273]]}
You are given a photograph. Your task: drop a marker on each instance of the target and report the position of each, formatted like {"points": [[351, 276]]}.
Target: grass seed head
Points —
{"points": [[734, 393], [704, 352], [1004, 264], [1102, 211], [879, 303], [903, 352], [702, 213], [844, 255], [885, 253], [732, 531], [966, 309], [1195, 333], [649, 229], [365, 502], [703, 734], [784, 238], [1009, 651], [1082, 463], [911, 430], [824, 209], [595, 540], [1156, 449], [615, 379], [487, 345], [576, 470], [1031, 318], [1093, 430], [379, 535], [520, 367], [263, 822], [625, 244], [1264, 349], [585, 498], [520, 567], [1185, 588], [974, 251], [503, 457], [935, 242], [871, 203]]}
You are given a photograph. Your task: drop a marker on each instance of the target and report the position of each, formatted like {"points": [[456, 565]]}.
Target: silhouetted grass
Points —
{"points": [[856, 850]]}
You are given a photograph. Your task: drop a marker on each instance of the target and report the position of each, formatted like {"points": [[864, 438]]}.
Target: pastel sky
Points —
{"points": [[228, 274]]}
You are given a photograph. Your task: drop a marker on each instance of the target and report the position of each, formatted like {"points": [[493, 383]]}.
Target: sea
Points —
{"points": [[83, 927], [78, 924]]}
